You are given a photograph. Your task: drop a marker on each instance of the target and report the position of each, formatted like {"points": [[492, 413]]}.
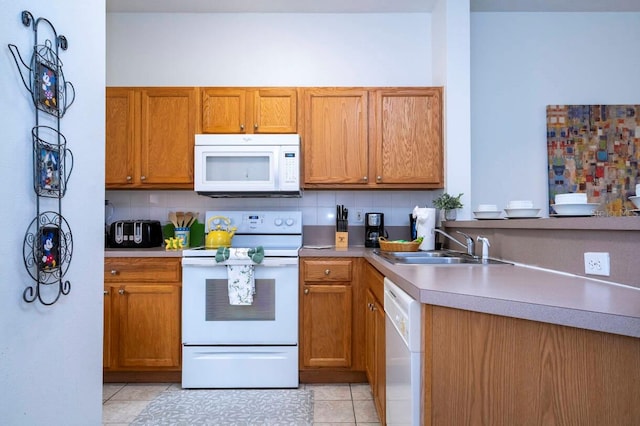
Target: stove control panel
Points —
{"points": [[261, 222]]}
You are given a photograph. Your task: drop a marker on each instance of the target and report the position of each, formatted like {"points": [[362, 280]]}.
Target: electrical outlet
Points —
{"points": [[596, 263], [359, 216]]}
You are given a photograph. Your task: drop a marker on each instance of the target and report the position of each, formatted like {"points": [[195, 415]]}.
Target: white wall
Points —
{"points": [[273, 49], [451, 65], [522, 62], [51, 357]]}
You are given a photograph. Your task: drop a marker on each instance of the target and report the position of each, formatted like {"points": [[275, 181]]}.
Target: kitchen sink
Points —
{"points": [[434, 257]]}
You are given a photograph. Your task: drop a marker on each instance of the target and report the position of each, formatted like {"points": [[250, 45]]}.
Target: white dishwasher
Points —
{"points": [[403, 356]]}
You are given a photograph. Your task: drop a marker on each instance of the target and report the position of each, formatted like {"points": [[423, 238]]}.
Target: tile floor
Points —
{"points": [[336, 404]]}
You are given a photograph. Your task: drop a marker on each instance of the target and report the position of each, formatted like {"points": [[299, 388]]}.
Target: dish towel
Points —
{"points": [[240, 278]]}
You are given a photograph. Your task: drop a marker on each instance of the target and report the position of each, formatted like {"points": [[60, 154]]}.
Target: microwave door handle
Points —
{"points": [[276, 169]]}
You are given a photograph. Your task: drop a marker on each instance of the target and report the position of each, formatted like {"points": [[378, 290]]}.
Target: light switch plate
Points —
{"points": [[596, 264]]}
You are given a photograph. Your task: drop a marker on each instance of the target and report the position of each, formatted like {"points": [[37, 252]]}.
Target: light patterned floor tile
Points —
{"points": [[365, 411], [333, 411], [140, 392], [334, 424], [361, 391], [330, 392], [121, 411], [110, 389]]}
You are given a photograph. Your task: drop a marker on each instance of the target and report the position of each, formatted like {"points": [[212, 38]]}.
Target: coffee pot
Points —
{"points": [[373, 229]]}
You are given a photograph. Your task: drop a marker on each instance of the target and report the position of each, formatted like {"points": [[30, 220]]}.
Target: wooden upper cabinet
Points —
{"points": [[407, 137], [249, 110], [223, 110], [275, 110], [335, 136], [120, 130], [150, 135], [168, 126]]}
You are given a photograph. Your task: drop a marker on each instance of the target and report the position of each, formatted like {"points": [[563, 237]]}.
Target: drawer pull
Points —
{"points": [[306, 291], [106, 292], [121, 291], [327, 271], [114, 272]]}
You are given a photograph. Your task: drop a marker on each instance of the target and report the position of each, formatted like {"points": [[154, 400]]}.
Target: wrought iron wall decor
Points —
{"points": [[48, 243]]}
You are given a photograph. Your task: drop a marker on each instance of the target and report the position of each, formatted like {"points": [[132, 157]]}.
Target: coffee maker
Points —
{"points": [[373, 229]]}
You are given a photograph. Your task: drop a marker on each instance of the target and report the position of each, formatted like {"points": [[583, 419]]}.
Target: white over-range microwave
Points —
{"points": [[259, 165]]}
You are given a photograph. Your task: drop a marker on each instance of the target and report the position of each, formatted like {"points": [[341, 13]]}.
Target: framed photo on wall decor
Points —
{"points": [[594, 149]]}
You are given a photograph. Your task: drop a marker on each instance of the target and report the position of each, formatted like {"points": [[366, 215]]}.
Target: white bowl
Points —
{"points": [[581, 209], [571, 198], [487, 208], [521, 204], [636, 201], [488, 214], [521, 213]]}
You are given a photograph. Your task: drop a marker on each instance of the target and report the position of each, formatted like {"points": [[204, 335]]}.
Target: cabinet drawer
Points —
{"points": [[323, 270], [142, 269]]}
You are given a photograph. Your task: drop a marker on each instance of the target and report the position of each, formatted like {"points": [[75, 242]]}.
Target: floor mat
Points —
{"points": [[239, 407]]}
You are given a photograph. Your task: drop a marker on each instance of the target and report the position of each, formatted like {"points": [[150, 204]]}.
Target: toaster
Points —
{"points": [[135, 234]]}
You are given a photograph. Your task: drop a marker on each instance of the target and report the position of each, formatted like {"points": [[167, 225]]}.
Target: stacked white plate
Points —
{"points": [[521, 209], [487, 211], [573, 204]]}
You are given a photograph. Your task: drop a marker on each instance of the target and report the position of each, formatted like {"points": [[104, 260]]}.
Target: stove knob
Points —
{"points": [[289, 222], [277, 222]]}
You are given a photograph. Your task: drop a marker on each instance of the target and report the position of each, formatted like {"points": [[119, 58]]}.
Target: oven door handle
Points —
{"points": [[269, 262]]}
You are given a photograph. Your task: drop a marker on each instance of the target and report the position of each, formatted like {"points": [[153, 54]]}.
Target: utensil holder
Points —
{"points": [[342, 240], [183, 234]]}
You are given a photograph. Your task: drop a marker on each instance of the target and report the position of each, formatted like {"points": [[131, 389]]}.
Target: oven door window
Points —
{"points": [[217, 307], [239, 168]]}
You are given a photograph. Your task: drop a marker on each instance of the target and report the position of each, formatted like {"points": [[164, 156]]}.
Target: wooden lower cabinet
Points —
{"points": [[142, 318], [375, 337], [331, 339], [494, 370]]}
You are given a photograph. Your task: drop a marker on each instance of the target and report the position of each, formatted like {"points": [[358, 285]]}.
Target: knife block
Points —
{"points": [[342, 240]]}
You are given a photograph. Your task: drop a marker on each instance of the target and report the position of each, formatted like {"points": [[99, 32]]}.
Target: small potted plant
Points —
{"points": [[449, 204]]}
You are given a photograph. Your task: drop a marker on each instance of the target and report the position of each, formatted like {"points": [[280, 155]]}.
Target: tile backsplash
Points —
{"points": [[317, 207]]}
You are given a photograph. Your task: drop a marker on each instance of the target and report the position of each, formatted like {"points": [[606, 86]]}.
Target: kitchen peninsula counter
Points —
{"points": [[517, 291]]}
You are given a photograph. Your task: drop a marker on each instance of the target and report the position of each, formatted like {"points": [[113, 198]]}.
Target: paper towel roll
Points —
{"points": [[425, 223]]}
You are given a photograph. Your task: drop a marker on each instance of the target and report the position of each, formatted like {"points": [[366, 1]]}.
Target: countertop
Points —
{"points": [[141, 252], [516, 290]]}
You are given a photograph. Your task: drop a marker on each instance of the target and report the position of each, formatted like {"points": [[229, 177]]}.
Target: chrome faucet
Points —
{"points": [[470, 246], [485, 246]]}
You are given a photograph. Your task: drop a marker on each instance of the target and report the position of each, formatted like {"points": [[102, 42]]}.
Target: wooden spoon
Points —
{"points": [[173, 219], [188, 217], [180, 216]]}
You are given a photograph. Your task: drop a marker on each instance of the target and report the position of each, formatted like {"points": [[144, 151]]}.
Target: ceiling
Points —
{"points": [[363, 6]]}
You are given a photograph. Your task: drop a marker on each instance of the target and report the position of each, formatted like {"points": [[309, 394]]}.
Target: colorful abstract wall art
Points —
{"points": [[594, 149]]}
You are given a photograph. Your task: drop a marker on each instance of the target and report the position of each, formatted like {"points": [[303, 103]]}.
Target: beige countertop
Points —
{"points": [[517, 291], [141, 252]]}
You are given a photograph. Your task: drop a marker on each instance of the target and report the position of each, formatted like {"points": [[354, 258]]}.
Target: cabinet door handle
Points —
{"points": [[128, 178], [365, 179], [114, 272], [106, 292], [143, 178], [327, 271], [379, 178], [255, 126], [242, 127], [306, 291], [121, 291]]}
